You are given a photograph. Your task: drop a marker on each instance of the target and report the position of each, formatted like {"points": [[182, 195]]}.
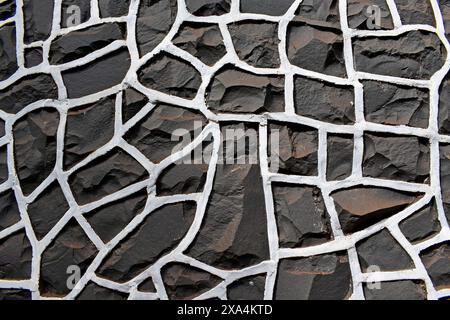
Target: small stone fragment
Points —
{"points": [[132, 102], [33, 57], [208, 7], [147, 286], [397, 290], [445, 178], [94, 292], [15, 257], [9, 211], [339, 156], [362, 14], [112, 8], [14, 294], [3, 164], [437, 262], [7, 9], [324, 12], [248, 288], [38, 16], [444, 105], [75, 12], [268, 7], [445, 10], [417, 12], [8, 59]]}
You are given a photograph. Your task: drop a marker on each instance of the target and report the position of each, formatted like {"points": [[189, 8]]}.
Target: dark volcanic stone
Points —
{"points": [[361, 207], [8, 59], [88, 128], [38, 17], [202, 40], [417, 12], [7, 9], [405, 158], [171, 75], [238, 91], [35, 147], [155, 134], [444, 105], [339, 156], [248, 288], [183, 282], [77, 44], [324, 101], [392, 104], [208, 7], [396, 290], [154, 20], [445, 9], [94, 292], [158, 234], [47, 210], [108, 220], [325, 12], [98, 75], [361, 17], [382, 251], [437, 262], [132, 102], [3, 164], [114, 8], [2, 128], [256, 42], [270, 7], [70, 10], [9, 211], [414, 54], [14, 294], [422, 224], [229, 237], [445, 178], [297, 150], [106, 175], [147, 286], [71, 247], [316, 48], [302, 217], [33, 57], [324, 277], [27, 90], [15, 257]]}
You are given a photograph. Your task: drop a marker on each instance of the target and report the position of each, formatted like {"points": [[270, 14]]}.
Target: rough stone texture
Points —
{"points": [[405, 158], [325, 12], [414, 54], [445, 178], [33, 57], [302, 217], [417, 12], [268, 7], [160, 232], [69, 12], [208, 7], [9, 211], [7, 9], [93, 291], [249, 288], [361, 207], [383, 252], [391, 104], [147, 286], [323, 277], [237, 91], [111, 8], [437, 262], [445, 8], [444, 106], [203, 40], [35, 147], [256, 43], [339, 156], [38, 19], [14, 295], [360, 14], [3, 164], [8, 59], [15, 257], [396, 290], [132, 102], [324, 101]]}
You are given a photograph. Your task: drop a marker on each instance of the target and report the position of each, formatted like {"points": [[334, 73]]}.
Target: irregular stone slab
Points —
{"points": [[94, 292], [445, 178], [8, 59], [316, 48], [33, 57], [106, 175], [3, 164], [35, 147], [437, 262], [396, 290], [325, 12], [171, 75], [405, 158], [302, 217], [229, 238], [154, 21], [297, 149], [445, 9], [417, 12], [444, 105], [360, 207], [99, 75], [268, 7], [208, 7], [256, 42], [147, 286], [88, 128], [339, 156], [7, 9], [202, 40], [15, 257], [132, 102], [109, 220], [111, 8], [2, 128], [9, 211], [362, 14], [324, 101], [323, 277], [71, 247], [27, 90], [392, 104], [160, 232], [414, 54], [77, 44], [14, 294], [158, 134], [74, 12], [381, 252], [38, 17], [422, 225], [48, 208], [237, 91], [183, 282], [248, 288]]}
